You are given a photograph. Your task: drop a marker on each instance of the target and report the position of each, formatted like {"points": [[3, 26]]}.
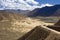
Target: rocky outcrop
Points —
{"points": [[58, 23], [56, 26], [41, 33]]}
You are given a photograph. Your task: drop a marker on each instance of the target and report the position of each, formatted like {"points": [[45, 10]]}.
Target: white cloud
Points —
{"points": [[33, 7], [21, 4], [17, 4], [32, 2], [43, 5]]}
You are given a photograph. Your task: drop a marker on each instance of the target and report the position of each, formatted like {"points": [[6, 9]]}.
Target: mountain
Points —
{"points": [[13, 25], [9, 15], [21, 12], [41, 33], [46, 11]]}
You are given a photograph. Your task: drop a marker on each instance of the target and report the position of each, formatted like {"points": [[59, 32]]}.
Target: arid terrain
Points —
{"points": [[13, 26]]}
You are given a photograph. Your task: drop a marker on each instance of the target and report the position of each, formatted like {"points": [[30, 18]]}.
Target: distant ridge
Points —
{"points": [[9, 15], [46, 11]]}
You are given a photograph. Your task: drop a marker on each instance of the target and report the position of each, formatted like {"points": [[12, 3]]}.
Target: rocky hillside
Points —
{"points": [[13, 25]]}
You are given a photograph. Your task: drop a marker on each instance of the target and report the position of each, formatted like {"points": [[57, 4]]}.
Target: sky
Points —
{"points": [[26, 4], [54, 2]]}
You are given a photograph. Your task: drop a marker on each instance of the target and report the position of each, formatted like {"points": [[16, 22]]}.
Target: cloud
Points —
{"points": [[18, 4], [40, 6], [21, 4], [43, 5], [32, 2]]}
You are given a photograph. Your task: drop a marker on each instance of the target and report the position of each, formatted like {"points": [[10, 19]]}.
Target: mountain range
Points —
{"points": [[46, 11]]}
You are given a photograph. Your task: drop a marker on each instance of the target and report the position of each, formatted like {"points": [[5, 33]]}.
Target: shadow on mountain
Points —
{"points": [[41, 33], [36, 34]]}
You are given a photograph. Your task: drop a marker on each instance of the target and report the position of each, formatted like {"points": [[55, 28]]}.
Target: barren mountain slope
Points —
{"points": [[13, 26]]}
